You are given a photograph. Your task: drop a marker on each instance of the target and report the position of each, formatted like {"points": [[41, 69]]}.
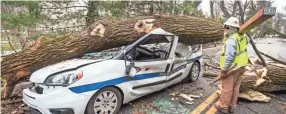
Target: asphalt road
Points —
{"points": [[162, 102]]}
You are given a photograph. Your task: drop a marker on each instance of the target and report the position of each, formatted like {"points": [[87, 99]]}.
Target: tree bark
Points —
{"points": [[212, 9], [101, 35]]}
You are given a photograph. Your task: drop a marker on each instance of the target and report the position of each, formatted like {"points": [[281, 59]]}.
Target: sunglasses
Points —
{"points": [[226, 27]]}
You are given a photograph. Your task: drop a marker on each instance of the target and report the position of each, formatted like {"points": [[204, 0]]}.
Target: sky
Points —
{"points": [[279, 4]]}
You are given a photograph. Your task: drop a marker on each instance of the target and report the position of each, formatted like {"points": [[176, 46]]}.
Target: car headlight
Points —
{"points": [[64, 79]]}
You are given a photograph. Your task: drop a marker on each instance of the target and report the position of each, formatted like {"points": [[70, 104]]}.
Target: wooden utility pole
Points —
{"points": [[261, 16]]}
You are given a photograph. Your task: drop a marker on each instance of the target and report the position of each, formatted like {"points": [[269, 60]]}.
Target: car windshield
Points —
{"points": [[106, 54]]}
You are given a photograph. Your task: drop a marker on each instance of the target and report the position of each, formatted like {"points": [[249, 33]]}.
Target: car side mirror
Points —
{"points": [[129, 69]]}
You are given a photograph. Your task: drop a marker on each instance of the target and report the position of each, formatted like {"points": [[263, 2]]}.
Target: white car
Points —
{"points": [[78, 86]]}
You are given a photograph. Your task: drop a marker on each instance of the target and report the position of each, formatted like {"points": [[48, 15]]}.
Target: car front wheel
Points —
{"points": [[105, 101], [194, 72]]}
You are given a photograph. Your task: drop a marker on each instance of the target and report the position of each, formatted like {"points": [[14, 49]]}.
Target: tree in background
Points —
{"points": [[62, 17], [279, 22], [17, 18], [245, 10], [126, 9]]}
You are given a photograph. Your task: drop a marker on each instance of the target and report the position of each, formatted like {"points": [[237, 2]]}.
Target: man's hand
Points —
{"points": [[222, 74]]}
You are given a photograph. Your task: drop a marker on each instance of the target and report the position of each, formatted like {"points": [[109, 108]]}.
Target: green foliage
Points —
{"points": [[16, 20], [13, 20], [18, 16], [118, 9]]}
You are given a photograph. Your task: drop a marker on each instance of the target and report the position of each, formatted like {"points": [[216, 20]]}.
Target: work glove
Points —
{"points": [[222, 74]]}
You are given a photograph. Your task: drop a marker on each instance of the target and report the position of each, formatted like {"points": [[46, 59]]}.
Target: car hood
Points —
{"points": [[40, 75]]}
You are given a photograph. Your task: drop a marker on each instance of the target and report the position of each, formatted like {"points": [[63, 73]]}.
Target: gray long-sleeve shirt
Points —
{"points": [[230, 53]]}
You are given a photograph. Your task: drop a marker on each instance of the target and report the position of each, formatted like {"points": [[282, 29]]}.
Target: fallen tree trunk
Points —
{"points": [[274, 80], [101, 35]]}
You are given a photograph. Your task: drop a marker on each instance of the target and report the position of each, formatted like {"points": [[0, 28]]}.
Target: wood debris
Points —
{"points": [[194, 96], [187, 97], [252, 95]]}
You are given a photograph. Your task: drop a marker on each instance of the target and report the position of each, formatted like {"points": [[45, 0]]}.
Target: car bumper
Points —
{"points": [[58, 101]]}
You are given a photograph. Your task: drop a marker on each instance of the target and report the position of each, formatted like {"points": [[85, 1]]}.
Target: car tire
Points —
{"points": [[194, 72], [108, 100]]}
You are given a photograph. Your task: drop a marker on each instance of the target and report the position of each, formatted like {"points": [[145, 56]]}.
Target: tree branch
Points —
{"points": [[7, 35], [274, 59], [253, 7], [234, 8], [245, 6], [223, 9], [241, 13], [212, 9], [256, 50]]}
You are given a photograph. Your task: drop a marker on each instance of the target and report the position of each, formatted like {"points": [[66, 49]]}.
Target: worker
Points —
{"points": [[234, 56]]}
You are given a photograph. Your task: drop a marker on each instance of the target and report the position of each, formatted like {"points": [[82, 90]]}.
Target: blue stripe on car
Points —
{"points": [[184, 65], [98, 85], [194, 59]]}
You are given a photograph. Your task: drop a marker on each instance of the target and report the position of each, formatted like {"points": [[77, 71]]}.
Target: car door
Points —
{"points": [[180, 65], [177, 72], [151, 74]]}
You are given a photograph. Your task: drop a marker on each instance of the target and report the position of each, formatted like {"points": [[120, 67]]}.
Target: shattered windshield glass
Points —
{"points": [[106, 54]]}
